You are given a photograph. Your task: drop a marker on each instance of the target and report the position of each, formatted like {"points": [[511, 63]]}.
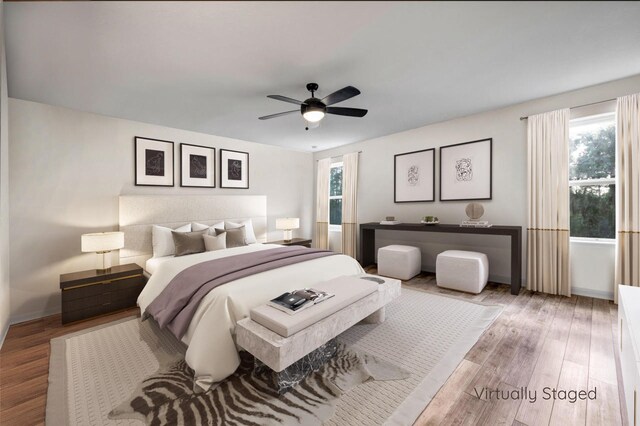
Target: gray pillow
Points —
{"points": [[236, 237], [215, 242], [188, 242]]}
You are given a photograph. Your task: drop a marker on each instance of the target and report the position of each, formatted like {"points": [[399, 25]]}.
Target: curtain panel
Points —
{"points": [[321, 239], [548, 194], [628, 191], [349, 203]]}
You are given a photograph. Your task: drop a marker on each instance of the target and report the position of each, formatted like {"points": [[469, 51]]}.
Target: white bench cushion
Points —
{"points": [[346, 289]]}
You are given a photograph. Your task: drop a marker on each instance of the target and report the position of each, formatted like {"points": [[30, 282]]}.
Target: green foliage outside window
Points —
{"points": [[592, 207], [335, 183], [335, 189]]}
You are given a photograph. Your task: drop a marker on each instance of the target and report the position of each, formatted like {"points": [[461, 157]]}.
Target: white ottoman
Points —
{"points": [[462, 270], [401, 262]]}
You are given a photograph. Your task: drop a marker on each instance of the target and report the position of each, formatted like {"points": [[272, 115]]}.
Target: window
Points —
{"points": [[335, 197], [592, 182]]}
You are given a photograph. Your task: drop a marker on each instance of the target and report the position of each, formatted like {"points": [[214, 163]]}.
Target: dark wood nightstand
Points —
{"points": [[293, 242], [90, 293]]}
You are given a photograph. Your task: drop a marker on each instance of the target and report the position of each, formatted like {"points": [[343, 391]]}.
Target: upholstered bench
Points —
{"points": [[466, 271], [294, 345], [401, 262]]}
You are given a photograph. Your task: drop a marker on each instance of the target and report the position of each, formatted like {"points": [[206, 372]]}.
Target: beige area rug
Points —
{"points": [[136, 372]]}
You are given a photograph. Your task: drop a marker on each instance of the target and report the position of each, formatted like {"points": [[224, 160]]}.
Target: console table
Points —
{"points": [[368, 241]]}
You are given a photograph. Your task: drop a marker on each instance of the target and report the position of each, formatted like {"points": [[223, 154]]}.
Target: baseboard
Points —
{"points": [[32, 316], [596, 294], [4, 334]]}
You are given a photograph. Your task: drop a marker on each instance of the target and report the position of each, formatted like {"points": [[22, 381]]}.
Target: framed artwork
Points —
{"points": [[154, 162], [197, 166], [234, 169], [414, 176], [465, 171]]}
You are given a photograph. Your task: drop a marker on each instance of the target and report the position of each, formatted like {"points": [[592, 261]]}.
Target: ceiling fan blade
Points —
{"points": [[350, 112], [280, 114], [341, 95], [285, 99]]}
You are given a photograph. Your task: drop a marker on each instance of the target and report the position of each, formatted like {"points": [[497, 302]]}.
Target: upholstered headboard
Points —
{"points": [[138, 213]]}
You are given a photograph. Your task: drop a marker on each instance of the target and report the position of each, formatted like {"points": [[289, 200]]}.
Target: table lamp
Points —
{"points": [[102, 243], [287, 224]]}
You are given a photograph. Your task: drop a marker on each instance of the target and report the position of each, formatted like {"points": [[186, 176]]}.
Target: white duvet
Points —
{"points": [[211, 350]]}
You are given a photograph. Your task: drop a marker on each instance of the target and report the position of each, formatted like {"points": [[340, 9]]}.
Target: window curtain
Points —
{"points": [[349, 203], [322, 204], [628, 191], [548, 193]]}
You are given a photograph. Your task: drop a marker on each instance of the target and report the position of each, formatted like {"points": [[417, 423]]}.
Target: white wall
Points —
{"points": [[67, 170], [508, 206], [4, 189], [593, 268]]}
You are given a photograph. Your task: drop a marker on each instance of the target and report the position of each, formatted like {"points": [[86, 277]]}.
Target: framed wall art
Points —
{"points": [[414, 176], [197, 166], [153, 162], [465, 171], [234, 169]]}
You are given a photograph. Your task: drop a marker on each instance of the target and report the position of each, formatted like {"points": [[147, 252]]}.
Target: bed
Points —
{"points": [[211, 349]]}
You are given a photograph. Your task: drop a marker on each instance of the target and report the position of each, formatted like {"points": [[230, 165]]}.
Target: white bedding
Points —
{"points": [[151, 266], [211, 348]]}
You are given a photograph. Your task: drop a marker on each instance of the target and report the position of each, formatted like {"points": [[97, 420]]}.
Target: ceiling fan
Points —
{"points": [[313, 109]]}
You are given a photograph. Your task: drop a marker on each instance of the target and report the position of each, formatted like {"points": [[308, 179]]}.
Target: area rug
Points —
{"points": [[131, 373]]}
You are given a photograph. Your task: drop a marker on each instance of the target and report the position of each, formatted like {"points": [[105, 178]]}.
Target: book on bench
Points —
{"points": [[298, 300]]}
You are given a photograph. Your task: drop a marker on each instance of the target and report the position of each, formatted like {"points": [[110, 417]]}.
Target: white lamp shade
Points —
{"points": [[288, 223], [102, 241]]}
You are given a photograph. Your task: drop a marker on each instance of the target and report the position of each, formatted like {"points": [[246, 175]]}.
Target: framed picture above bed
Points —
{"points": [[234, 169], [154, 162], [414, 176], [465, 171], [197, 166]]}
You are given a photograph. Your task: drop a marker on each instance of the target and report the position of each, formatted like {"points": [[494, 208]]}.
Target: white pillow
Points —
{"points": [[195, 226], [163, 240], [213, 242], [248, 227]]}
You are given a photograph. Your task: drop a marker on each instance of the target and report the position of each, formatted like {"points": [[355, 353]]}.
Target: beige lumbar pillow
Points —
{"points": [[215, 242], [188, 242]]}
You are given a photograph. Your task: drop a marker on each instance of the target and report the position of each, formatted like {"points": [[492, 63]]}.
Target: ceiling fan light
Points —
{"points": [[313, 116]]}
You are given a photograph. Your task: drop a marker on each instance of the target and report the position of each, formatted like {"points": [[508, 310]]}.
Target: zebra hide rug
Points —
{"points": [[249, 398]]}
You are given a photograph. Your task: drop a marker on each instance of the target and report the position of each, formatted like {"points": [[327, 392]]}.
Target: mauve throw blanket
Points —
{"points": [[175, 306]]}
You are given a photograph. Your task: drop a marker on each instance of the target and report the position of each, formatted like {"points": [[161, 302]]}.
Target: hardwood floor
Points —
{"points": [[24, 366], [539, 340]]}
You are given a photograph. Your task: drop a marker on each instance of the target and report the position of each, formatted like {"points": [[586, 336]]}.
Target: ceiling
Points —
{"points": [[208, 67]]}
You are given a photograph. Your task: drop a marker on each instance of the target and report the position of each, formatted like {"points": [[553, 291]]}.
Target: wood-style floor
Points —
{"points": [[24, 366], [538, 341]]}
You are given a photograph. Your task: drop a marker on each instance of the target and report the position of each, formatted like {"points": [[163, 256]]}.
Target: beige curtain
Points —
{"points": [[349, 203], [628, 191], [548, 191], [321, 239]]}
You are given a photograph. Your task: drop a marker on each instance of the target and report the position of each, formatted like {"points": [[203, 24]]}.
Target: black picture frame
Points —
{"points": [[147, 170], [237, 178], [421, 197], [486, 176], [190, 178]]}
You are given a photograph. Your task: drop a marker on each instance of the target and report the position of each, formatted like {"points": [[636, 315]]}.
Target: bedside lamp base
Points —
{"points": [[103, 262], [288, 235]]}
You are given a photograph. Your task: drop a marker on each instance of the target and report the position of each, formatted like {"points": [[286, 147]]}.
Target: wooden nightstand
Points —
{"points": [[90, 293], [293, 242]]}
